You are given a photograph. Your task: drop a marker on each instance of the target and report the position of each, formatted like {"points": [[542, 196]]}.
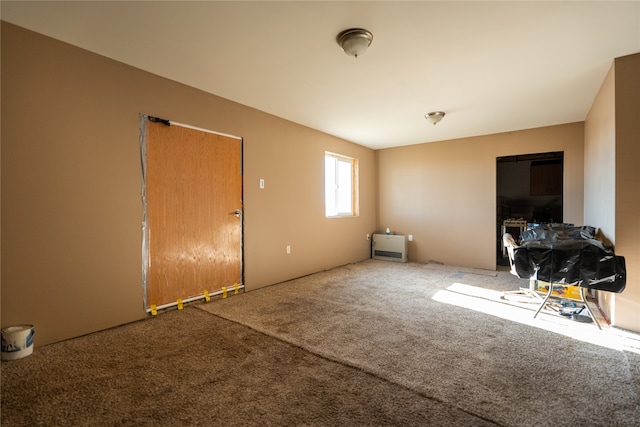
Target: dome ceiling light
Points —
{"points": [[354, 41], [434, 117]]}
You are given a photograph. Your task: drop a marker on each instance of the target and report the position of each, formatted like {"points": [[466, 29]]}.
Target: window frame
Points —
{"points": [[355, 202]]}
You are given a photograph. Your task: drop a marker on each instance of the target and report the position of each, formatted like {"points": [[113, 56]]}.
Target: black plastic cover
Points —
{"points": [[569, 255]]}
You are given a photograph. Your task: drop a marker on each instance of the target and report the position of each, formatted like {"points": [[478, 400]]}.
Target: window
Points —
{"points": [[340, 185]]}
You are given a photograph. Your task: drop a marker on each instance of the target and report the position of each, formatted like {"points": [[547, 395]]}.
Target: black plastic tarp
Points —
{"points": [[566, 254]]}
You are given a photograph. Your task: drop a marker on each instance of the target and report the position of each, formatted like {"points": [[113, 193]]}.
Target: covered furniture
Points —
{"points": [[568, 255]]}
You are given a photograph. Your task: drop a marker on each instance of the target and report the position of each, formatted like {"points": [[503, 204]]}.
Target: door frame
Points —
{"points": [[526, 159]]}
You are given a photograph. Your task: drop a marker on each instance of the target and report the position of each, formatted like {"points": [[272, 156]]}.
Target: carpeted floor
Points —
{"points": [[445, 333], [372, 343], [193, 368]]}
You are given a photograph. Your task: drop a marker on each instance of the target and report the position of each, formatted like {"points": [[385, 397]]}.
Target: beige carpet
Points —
{"points": [[443, 332], [373, 343], [188, 368]]}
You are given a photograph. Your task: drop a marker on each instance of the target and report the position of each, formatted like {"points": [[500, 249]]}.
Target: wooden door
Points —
{"points": [[193, 212]]}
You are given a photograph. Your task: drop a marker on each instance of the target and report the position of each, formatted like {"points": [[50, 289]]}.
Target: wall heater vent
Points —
{"points": [[389, 247]]}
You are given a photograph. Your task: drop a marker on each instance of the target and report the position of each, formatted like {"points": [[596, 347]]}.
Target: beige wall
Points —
{"points": [[600, 163], [612, 198], [628, 187], [71, 186], [444, 193]]}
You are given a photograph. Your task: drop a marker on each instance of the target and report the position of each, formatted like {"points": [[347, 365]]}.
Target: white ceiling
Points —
{"points": [[491, 66]]}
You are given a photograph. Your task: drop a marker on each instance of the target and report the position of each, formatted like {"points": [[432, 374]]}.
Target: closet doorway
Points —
{"points": [[529, 189]]}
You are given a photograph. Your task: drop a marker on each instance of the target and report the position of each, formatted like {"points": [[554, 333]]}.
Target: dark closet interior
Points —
{"points": [[529, 189]]}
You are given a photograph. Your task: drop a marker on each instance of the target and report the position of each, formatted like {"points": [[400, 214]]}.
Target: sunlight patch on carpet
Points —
{"points": [[488, 302]]}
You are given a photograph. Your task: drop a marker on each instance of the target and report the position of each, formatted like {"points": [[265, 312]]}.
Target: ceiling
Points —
{"points": [[490, 66]]}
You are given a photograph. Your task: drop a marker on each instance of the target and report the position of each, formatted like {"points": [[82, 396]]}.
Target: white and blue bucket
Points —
{"points": [[17, 342]]}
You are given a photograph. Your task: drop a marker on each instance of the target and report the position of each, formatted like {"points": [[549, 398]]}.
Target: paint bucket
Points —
{"points": [[17, 342]]}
